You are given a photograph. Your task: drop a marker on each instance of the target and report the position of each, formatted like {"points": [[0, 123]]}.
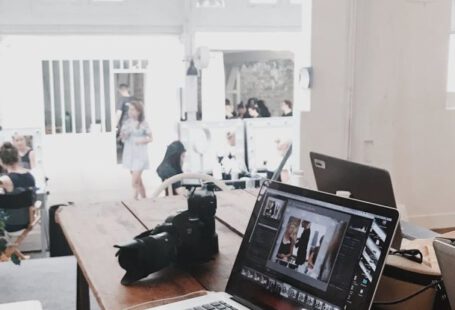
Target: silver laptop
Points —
{"points": [[445, 252], [305, 250]]}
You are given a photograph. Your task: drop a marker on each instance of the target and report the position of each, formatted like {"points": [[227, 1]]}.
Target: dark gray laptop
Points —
{"points": [[361, 181]]}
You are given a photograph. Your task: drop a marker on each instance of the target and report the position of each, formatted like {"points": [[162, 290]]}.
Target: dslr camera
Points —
{"points": [[186, 238]]}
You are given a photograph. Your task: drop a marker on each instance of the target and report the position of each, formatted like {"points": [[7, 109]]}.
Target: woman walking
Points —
{"points": [[136, 134]]}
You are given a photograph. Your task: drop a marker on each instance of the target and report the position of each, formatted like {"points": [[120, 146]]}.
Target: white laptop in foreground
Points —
{"points": [[305, 250]]}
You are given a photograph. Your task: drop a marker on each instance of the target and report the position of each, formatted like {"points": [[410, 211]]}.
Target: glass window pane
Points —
{"points": [[86, 75], [96, 85], [57, 98], [77, 95], [67, 96], [107, 95], [47, 98]]}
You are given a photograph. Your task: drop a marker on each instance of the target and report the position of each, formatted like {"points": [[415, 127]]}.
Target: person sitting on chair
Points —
{"points": [[172, 165], [15, 179]]}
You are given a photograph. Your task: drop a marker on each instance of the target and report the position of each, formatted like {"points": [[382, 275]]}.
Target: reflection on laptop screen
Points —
{"points": [[308, 253]]}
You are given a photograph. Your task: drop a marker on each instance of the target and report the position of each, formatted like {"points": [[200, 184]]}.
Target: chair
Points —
{"points": [[23, 214], [167, 184]]}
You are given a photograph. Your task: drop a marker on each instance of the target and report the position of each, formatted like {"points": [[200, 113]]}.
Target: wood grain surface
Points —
{"points": [[91, 232], [214, 274]]}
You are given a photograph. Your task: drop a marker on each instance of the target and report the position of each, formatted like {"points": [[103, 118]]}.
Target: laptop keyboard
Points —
{"points": [[217, 305]]}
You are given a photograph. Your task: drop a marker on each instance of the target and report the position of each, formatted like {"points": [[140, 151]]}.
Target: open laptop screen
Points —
{"points": [[310, 249]]}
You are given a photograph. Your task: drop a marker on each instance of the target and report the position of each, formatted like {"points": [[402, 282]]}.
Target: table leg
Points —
{"points": [[82, 293], [44, 223]]}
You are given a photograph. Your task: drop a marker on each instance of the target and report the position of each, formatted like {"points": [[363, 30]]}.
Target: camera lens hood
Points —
{"points": [[146, 255]]}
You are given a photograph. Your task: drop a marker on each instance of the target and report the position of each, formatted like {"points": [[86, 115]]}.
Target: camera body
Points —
{"points": [[186, 238]]}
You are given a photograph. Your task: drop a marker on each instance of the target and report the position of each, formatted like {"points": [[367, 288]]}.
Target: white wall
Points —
{"points": [[141, 16], [83, 166], [395, 62], [83, 16], [324, 127], [400, 118], [239, 15]]}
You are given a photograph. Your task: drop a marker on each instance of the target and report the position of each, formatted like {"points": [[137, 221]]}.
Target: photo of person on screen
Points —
{"points": [[270, 208], [273, 210], [288, 242], [302, 243], [312, 257]]}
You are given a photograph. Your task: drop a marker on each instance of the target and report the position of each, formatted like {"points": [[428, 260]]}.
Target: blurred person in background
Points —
{"points": [[27, 157], [286, 108], [241, 110], [250, 103], [172, 165], [135, 135], [15, 179], [229, 110], [253, 111], [263, 109]]}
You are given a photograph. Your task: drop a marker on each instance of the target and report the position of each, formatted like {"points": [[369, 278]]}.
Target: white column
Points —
{"points": [[190, 92], [302, 97], [213, 88]]}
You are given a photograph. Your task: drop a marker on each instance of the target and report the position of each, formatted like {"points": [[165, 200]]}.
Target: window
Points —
{"points": [[79, 95], [451, 65]]}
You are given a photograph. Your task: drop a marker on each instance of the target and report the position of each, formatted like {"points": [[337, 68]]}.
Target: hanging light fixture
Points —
{"points": [[192, 70]]}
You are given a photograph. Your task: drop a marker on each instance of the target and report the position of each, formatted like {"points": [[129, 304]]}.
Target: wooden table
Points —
{"points": [[93, 230]]}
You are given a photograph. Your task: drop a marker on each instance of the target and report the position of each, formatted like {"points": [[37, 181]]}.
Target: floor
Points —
{"points": [[52, 281]]}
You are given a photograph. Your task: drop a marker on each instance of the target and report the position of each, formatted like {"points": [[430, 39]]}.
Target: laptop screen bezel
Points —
{"points": [[357, 205]]}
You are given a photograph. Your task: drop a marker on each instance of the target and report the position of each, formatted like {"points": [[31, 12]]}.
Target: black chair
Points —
{"points": [[22, 210]]}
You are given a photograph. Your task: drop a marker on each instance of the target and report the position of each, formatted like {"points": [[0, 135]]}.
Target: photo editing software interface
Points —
{"points": [[301, 248]]}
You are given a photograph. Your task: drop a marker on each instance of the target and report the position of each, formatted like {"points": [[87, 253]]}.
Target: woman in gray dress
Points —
{"points": [[135, 135]]}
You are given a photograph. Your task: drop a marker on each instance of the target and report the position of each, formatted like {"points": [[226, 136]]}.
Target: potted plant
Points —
{"points": [[4, 246]]}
